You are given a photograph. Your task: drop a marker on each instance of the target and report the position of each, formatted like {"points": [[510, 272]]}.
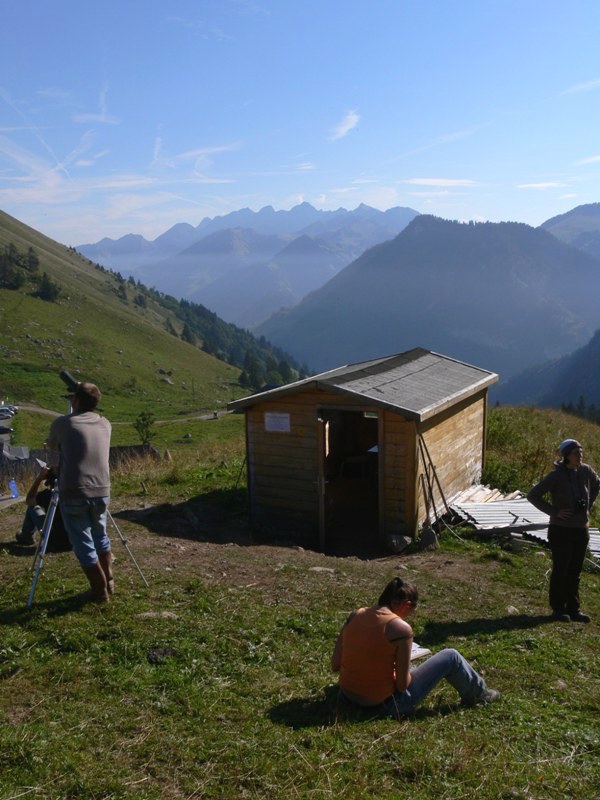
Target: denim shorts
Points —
{"points": [[84, 519]]}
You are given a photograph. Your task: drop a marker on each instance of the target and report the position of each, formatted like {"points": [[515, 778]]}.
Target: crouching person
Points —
{"points": [[37, 502], [372, 655], [82, 439]]}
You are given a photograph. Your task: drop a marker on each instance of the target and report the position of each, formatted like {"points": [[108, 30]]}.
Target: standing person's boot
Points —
{"points": [[98, 592], [106, 560]]}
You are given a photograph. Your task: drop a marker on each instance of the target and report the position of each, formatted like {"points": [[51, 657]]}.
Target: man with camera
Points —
{"points": [[83, 441], [573, 487]]}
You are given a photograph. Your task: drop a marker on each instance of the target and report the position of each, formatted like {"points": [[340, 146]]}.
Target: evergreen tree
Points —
{"points": [[187, 334], [47, 288], [285, 371], [244, 380], [33, 261]]}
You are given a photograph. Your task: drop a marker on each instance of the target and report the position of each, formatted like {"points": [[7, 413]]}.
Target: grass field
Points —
{"points": [[215, 681]]}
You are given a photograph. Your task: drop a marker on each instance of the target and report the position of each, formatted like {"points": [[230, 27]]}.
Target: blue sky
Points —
{"points": [[131, 116]]}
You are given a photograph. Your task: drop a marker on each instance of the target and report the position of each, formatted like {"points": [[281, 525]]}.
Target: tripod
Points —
{"points": [[45, 535]]}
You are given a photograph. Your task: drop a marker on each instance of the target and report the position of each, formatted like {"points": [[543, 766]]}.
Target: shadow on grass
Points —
{"points": [[219, 516], [435, 633], [20, 614], [15, 549], [332, 708]]}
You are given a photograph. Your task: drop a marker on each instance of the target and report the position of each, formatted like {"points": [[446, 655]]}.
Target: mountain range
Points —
{"points": [[241, 266], [558, 382], [579, 227], [343, 286], [500, 295]]}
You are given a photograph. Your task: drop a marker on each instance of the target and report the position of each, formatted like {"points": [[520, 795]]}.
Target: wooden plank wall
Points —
{"points": [[283, 467], [455, 440], [397, 475]]}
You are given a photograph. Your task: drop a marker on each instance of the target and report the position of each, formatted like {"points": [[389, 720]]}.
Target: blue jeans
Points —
{"points": [[85, 523], [34, 520], [448, 664]]}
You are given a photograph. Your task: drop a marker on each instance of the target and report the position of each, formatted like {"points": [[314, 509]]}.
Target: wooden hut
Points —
{"points": [[366, 452]]}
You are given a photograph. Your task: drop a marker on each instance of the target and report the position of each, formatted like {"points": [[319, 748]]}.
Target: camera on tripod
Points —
{"points": [[72, 384], [51, 477]]}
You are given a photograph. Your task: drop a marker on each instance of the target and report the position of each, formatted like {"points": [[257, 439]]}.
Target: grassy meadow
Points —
{"points": [[214, 682]]}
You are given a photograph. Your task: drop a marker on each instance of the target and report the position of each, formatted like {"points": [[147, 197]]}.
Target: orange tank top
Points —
{"points": [[368, 660]]}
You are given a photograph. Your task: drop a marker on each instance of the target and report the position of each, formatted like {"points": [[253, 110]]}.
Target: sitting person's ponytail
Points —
{"points": [[396, 591]]}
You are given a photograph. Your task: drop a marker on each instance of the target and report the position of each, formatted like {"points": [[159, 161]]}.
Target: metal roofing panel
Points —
{"points": [[517, 512]]}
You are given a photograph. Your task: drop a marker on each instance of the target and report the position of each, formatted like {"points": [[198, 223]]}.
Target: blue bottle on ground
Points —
{"points": [[14, 489]]}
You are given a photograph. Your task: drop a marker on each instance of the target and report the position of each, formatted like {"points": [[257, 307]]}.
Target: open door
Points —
{"points": [[322, 434], [348, 479]]}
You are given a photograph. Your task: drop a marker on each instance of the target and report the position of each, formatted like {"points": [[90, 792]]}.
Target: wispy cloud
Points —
{"points": [[588, 86], [541, 185], [61, 96], [200, 29], [102, 115], [442, 139], [124, 182], [589, 160], [194, 163], [19, 156], [106, 119], [91, 160], [440, 182], [349, 121], [438, 193]]}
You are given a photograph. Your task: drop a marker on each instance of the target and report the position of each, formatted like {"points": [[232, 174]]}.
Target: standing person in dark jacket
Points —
{"points": [[573, 487]]}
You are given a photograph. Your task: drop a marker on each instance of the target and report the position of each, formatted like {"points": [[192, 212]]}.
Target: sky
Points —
{"points": [[129, 116]]}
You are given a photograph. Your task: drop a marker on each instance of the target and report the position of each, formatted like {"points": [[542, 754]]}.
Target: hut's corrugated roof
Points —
{"points": [[418, 383]]}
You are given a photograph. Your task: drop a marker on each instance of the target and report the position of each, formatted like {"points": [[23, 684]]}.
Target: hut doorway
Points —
{"points": [[349, 479]]}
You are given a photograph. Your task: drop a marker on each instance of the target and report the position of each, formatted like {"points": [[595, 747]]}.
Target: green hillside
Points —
{"points": [[116, 333]]}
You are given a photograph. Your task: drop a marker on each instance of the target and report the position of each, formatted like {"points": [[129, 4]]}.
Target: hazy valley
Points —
{"points": [[335, 287]]}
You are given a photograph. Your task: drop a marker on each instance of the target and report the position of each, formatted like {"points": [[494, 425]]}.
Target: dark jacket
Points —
{"points": [[567, 489]]}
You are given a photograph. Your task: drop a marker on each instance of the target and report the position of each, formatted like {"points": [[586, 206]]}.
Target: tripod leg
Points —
{"points": [[41, 551], [124, 541], [37, 551]]}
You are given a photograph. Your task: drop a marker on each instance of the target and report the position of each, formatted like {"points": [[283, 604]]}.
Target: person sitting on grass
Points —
{"points": [[372, 656], [37, 502]]}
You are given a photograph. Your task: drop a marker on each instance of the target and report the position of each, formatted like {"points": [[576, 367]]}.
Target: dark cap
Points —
{"points": [[568, 446]]}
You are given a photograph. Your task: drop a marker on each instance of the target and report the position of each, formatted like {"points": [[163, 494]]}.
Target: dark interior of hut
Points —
{"points": [[351, 476]]}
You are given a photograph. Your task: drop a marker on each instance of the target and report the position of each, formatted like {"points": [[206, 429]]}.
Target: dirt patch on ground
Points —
{"points": [[200, 541]]}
